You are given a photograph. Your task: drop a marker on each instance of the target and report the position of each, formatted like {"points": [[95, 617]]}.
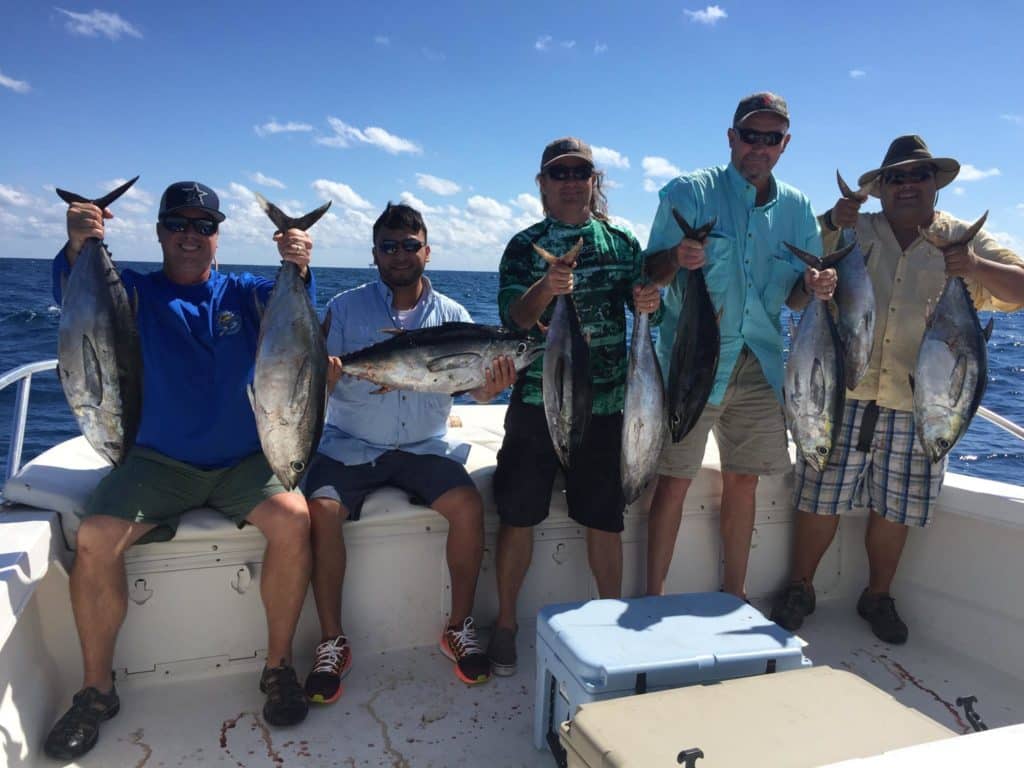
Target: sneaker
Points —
{"points": [[793, 605], [461, 646], [331, 663], [79, 729], [880, 611], [286, 701], [502, 651]]}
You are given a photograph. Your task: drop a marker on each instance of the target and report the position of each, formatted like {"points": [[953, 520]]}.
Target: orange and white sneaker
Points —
{"points": [[331, 663], [460, 644]]}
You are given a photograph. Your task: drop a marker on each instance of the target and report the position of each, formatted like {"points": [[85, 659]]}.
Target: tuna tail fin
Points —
{"points": [[99, 202], [569, 257], [700, 234], [814, 262], [942, 243], [836, 256], [285, 222], [860, 195]]}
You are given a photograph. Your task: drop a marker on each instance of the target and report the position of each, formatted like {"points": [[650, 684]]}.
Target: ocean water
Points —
{"points": [[28, 332]]}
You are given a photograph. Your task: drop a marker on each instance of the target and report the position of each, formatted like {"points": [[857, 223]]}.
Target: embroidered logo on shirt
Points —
{"points": [[228, 323]]}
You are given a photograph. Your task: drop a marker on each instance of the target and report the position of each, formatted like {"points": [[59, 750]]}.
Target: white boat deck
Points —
{"points": [[405, 708]]}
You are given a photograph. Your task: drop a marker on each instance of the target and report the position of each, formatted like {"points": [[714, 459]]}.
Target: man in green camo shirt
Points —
{"points": [[604, 279]]}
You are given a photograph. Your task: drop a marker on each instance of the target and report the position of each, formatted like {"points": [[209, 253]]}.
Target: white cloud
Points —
{"points": [[543, 42], [341, 193], [273, 127], [345, 135], [969, 173], [96, 23], [18, 86], [640, 231], [530, 204], [134, 193], [382, 40], [600, 48], [856, 74], [11, 196], [659, 168], [610, 183], [410, 199], [1020, 207], [650, 185], [488, 207], [568, 43], [960, 191], [437, 185], [1008, 240], [710, 15], [609, 158], [1018, 119], [266, 181]]}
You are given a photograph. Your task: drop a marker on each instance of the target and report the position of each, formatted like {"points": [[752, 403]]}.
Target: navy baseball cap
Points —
{"points": [[760, 102], [190, 194]]}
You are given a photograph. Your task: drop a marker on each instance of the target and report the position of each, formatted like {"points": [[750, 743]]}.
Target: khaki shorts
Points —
{"points": [[748, 424], [156, 489]]}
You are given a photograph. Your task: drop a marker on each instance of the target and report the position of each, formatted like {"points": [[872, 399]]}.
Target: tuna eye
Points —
{"points": [[943, 443], [521, 348], [297, 466], [822, 450]]}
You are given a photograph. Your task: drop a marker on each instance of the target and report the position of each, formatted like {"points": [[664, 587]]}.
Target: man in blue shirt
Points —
{"points": [[749, 274], [394, 438], [196, 446]]}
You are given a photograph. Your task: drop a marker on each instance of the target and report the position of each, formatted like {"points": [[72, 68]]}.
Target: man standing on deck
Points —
{"points": [[878, 461], [749, 274], [196, 446], [396, 438], [604, 279]]}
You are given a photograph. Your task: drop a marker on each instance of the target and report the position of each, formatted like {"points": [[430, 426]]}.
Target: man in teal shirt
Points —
{"points": [[749, 274]]}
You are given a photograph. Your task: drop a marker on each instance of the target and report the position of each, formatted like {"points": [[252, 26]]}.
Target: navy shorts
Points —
{"points": [[527, 464], [425, 477]]}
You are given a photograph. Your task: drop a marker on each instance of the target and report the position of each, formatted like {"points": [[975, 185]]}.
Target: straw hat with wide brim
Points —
{"points": [[910, 150]]}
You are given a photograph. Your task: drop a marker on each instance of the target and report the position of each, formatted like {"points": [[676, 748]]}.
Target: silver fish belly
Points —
{"points": [[566, 380], [644, 412], [855, 302]]}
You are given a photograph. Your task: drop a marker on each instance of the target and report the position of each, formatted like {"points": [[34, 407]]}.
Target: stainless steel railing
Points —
{"points": [[23, 376]]}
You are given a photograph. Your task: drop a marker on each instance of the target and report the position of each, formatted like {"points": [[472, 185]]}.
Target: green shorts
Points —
{"points": [[156, 489]]}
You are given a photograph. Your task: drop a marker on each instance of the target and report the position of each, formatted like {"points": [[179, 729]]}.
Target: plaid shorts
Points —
{"points": [[895, 478]]}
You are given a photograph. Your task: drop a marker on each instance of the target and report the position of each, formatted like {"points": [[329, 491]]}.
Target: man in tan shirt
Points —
{"points": [[885, 467]]}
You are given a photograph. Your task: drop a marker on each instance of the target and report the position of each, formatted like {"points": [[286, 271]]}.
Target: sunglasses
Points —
{"points": [[566, 172], [768, 138], [409, 245], [912, 176], [204, 227]]}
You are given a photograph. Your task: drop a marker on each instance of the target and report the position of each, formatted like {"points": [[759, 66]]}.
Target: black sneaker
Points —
{"points": [[78, 730], [502, 651], [460, 644], [793, 605], [286, 701], [880, 611], [331, 663]]}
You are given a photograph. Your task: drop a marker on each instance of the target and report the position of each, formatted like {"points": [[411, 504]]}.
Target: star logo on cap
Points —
{"points": [[195, 195]]}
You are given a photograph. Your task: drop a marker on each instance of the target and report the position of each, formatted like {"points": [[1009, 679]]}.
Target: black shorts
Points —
{"points": [[527, 464], [425, 477]]}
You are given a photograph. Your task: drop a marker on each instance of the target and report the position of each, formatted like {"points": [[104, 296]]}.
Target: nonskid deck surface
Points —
{"points": [[406, 708]]}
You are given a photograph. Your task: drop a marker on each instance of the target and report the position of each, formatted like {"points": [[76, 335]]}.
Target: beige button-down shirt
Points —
{"points": [[907, 287]]}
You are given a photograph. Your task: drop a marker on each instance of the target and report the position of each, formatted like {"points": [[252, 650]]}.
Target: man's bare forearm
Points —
{"points": [[528, 308]]}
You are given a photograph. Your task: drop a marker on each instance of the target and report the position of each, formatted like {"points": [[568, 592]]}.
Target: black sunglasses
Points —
{"points": [[409, 245], [911, 176], [768, 138], [566, 172], [204, 227]]}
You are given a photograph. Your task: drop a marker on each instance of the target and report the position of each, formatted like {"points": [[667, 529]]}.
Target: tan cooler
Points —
{"points": [[806, 717]]}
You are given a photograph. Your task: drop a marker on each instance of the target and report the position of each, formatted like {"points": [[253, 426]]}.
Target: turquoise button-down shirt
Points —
{"points": [[361, 425], [749, 272]]}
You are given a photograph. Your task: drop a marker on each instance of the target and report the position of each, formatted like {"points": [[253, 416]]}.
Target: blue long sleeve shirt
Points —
{"points": [[748, 270], [198, 355]]}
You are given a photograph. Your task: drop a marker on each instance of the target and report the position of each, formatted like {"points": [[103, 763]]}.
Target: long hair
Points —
{"points": [[598, 200]]}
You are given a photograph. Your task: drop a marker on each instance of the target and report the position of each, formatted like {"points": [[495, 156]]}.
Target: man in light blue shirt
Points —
{"points": [[749, 274], [394, 438]]}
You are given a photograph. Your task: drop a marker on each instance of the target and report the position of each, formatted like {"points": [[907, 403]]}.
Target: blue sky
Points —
{"points": [[448, 105]]}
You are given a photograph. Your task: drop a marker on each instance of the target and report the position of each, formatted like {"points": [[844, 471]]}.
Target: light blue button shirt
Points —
{"points": [[360, 425], [749, 272]]}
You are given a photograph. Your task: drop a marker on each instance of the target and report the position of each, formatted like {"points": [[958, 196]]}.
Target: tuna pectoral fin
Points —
{"points": [[453, 362], [817, 390], [92, 372], [252, 398], [957, 379], [301, 387]]}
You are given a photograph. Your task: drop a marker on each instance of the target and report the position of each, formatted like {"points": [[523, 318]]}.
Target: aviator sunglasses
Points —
{"points": [[912, 176], [768, 138], [204, 227], [566, 172], [409, 245]]}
